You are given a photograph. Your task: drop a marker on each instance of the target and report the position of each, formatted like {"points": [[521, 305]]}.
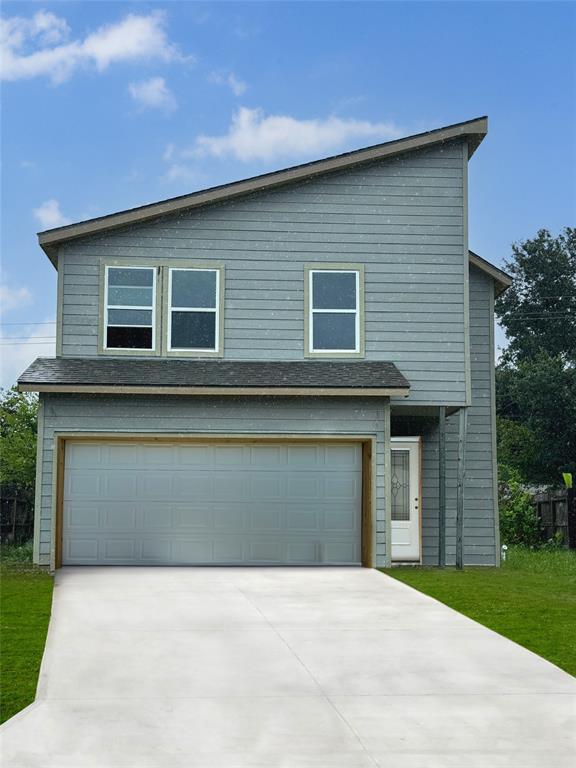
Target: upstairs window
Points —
{"points": [[130, 308], [334, 312], [193, 311]]}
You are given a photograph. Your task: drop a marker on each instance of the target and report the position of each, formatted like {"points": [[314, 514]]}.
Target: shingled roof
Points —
{"points": [[199, 377]]}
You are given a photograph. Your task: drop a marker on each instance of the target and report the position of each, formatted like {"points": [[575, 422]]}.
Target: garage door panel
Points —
{"points": [[81, 550], [84, 456], [229, 550], [82, 484], [81, 515], [192, 551], [266, 519], [266, 457], [231, 518], [303, 520], [340, 520], [341, 486], [205, 504], [119, 549], [119, 517], [303, 486]]}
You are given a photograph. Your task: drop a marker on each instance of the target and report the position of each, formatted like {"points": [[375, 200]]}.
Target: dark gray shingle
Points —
{"points": [[213, 373]]}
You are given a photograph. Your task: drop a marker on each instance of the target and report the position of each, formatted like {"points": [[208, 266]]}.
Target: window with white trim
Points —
{"points": [[193, 310], [130, 317], [334, 320]]}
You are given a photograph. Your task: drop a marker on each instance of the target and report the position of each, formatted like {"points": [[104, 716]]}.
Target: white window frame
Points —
{"points": [[311, 312], [108, 306], [215, 310]]}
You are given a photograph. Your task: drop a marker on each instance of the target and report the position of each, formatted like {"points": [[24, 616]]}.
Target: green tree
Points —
{"points": [[536, 406], [536, 380], [18, 428], [538, 312], [517, 447]]}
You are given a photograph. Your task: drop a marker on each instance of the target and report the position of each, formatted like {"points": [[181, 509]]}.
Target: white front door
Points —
{"points": [[406, 498]]}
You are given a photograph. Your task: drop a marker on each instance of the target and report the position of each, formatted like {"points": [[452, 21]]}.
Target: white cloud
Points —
{"points": [[20, 348], [39, 46], [13, 298], [253, 135], [153, 94], [180, 172], [49, 215], [168, 153], [237, 86]]}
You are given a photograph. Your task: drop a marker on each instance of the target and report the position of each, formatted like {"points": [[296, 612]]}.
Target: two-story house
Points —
{"points": [[297, 368]]}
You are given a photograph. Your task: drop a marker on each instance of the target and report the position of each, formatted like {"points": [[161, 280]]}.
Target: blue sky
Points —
{"points": [[111, 105]]}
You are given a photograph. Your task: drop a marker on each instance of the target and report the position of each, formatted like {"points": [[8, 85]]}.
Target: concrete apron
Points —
{"points": [[281, 667]]}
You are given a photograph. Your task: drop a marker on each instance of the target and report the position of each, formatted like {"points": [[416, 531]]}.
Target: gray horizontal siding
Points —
{"points": [[402, 218], [328, 416], [480, 520]]}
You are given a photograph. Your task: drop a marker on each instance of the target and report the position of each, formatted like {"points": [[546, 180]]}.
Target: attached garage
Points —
{"points": [[193, 503]]}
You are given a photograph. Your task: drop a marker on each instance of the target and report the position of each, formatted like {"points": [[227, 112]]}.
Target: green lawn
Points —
{"points": [[531, 599], [25, 602]]}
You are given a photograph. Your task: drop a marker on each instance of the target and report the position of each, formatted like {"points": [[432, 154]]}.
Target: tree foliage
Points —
{"points": [[18, 428], [538, 312], [536, 380], [519, 522], [536, 405]]}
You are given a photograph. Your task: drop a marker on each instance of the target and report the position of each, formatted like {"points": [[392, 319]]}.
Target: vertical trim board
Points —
{"points": [[38, 481], [492, 358], [466, 268], [388, 482]]}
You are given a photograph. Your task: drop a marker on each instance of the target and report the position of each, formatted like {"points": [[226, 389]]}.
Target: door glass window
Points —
{"points": [[400, 485]]}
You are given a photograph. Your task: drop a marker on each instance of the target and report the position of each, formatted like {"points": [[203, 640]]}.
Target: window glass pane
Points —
{"points": [[193, 288], [334, 331], [130, 317], [135, 277], [193, 330], [334, 290], [400, 485], [129, 338], [131, 296]]}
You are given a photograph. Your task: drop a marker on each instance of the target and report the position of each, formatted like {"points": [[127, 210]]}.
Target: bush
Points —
{"points": [[519, 522], [13, 554]]}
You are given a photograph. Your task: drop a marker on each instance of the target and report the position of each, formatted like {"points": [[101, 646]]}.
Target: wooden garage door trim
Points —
{"points": [[368, 473]]}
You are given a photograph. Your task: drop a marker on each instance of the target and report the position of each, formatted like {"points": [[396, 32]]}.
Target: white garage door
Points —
{"points": [[159, 503]]}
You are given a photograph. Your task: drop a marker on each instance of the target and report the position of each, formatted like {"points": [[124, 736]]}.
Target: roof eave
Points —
{"points": [[124, 389], [472, 130], [502, 280]]}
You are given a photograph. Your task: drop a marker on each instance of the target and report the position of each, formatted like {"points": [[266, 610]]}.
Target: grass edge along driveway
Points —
{"points": [[531, 599], [25, 605]]}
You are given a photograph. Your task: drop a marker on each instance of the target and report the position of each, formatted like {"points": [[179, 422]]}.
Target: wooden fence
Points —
{"points": [[557, 512]]}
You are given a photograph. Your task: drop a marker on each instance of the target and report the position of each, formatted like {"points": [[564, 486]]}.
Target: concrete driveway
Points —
{"points": [[270, 667]]}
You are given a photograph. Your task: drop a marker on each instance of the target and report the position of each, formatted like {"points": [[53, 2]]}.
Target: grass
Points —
{"points": [[531, 599], [25, 603]]}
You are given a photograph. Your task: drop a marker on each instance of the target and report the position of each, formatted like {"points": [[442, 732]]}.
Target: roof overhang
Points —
{"points": [[502, 280], [141, 376], [472, 131], [111, 389]]}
